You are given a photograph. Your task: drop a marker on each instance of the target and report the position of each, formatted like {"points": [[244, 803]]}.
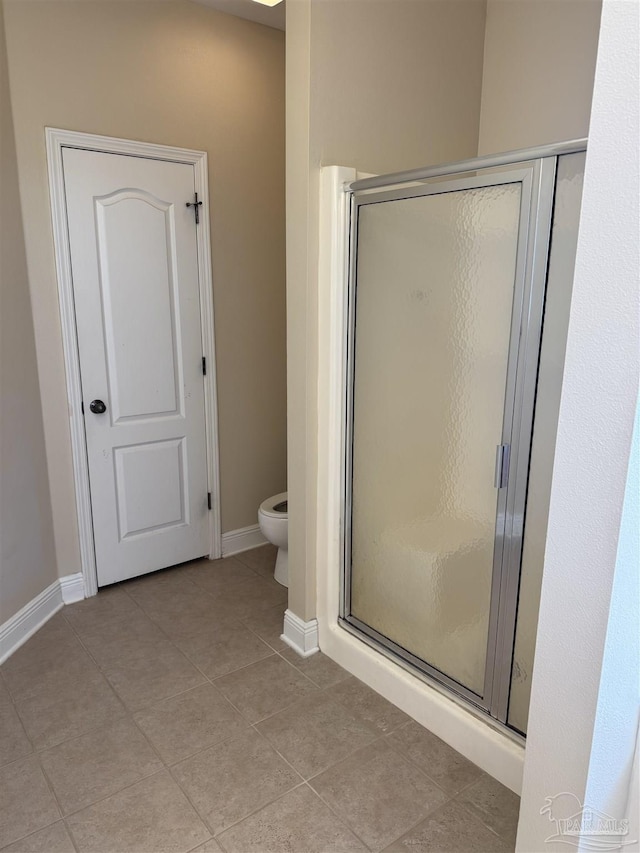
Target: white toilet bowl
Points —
{"points": [[273, 519]]}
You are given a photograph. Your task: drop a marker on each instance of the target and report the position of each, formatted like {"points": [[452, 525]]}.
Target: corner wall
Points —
{"points": [[379, 85], [181, 74], [27, 550], [566, 741], [539, 62]]}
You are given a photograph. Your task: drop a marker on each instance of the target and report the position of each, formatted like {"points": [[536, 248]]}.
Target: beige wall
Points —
{"points": [[539, 63], [179, 74], [380, 85], [395, 83], [27, 553]]}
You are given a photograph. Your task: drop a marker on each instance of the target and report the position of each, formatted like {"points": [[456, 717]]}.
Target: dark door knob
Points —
{"points": [[97, 407]]}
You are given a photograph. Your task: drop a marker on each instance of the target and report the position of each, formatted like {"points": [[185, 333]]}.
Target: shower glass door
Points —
{"points": [[441, 310]]}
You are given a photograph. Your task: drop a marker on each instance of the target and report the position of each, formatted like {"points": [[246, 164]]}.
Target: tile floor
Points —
{"points": [[167, 715]]}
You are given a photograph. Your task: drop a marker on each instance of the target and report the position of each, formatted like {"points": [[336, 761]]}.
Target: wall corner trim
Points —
{"points": [[301, 636], [29, 619], [243, 539], [72, 588]]}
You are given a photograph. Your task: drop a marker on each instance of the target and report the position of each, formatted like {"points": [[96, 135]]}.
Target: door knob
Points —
{"points": [[97, 407]]}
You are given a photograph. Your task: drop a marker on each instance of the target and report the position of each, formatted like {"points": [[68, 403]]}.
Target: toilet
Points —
{"points": [[273, 518]]}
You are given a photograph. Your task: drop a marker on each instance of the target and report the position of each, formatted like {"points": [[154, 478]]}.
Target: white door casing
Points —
{"points": [[135, 295]]}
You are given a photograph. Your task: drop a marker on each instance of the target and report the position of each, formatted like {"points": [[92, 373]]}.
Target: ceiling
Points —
{"points": [[270, 16]]}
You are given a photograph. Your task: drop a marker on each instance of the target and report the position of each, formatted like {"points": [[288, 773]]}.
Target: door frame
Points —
{"points": [[56, 141]]}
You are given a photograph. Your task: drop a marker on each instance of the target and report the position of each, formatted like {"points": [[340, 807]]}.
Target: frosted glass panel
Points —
{"points": [[564, 237], [435, 280]]}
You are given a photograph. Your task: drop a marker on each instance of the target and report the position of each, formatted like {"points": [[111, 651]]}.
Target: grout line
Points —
{"points": [[258, 809], [278, 753], [33, 749], [297, 669], [479, 820], [102, 799], [340, 817], [71, 835], [382, 739], [424, 772], [168, 769], [202, 843], [172, 767], [429, 813], [50, 785], [41, 750], [35, 832]]}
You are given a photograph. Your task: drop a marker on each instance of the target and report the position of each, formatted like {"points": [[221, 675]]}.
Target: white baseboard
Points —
{"points": [[72, 588], [39, 610], [243, 539], [26, 621], [301, 636]]}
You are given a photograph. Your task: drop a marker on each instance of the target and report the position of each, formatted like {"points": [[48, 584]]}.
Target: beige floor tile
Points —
{"points": [[106, 611], [217, 575], [5, 696], [264, 688], [51, 676], [315, 733], [450, 829], [136, 636], [98, 764], [44, 647], [190, 722], [268, 624], [229, 781], [319, 668], [369, 705], [296, 823], [14, 742], [52, 839], [152, 816], [261, 560], [496, 806], [210, 846], [439, 761], [224, 650], [151, 673], [193, 630], [69, 709], [378, 793], [174, 577], [26, 803], [250, 596], [169, 594]]}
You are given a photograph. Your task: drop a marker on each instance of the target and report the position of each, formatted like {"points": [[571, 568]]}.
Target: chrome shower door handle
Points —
{"points": [[503, 454]]}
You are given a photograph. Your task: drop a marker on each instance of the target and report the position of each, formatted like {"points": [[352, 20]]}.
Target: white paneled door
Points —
{"points": [[134, 263]]}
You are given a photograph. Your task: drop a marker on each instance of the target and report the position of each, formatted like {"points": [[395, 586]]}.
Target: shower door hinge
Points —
{"points": [[503, 453], [204, 365], [208, 500]]}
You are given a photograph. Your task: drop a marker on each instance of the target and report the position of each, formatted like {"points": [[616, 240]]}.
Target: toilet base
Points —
{"points": [[281, 573]]}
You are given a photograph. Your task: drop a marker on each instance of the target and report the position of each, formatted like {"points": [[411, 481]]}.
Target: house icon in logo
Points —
{"points": [[581, 825]]}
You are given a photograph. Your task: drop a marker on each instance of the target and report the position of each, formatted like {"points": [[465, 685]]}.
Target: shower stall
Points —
{"points": [[459, 282]]}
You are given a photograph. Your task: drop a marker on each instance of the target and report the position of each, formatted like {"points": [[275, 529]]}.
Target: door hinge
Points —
{"points": [[196, 205], [208, 500], [204, 365]]}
